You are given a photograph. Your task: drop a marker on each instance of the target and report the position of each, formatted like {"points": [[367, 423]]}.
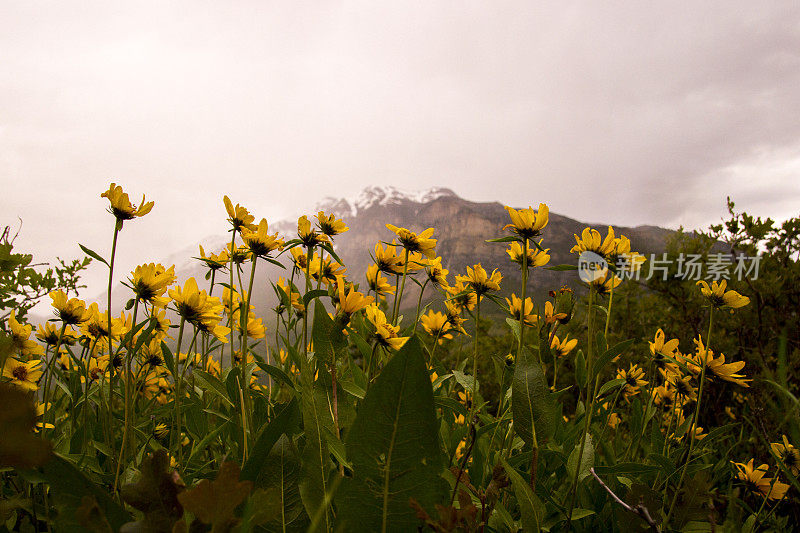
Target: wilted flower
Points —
{"points": [[561, 348]]}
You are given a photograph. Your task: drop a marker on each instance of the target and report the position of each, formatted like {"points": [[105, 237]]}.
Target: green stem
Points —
{"points": [[475, 360], [175, 436], [230, 299], [419, 303], [692, 427], [589, 398], [524, 295], [399, 294]]}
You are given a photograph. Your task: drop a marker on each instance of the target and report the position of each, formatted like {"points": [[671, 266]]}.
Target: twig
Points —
{"points": [[639, 510]]}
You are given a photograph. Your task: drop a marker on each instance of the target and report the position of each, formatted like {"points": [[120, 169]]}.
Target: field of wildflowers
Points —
{"points": [[182, 412]]}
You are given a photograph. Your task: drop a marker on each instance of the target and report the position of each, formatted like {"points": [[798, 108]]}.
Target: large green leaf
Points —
{"points": [[287, 421], [279, 478], [529, 505], [317, 465], [68, 486], [394, 448], [329, 340], [532, 403]]}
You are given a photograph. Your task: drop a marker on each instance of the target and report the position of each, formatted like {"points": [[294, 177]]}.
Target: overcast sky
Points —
{"points": [[621, 112]]}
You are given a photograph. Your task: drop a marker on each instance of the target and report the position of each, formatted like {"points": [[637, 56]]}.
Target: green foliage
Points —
{"points": [[394, 448]]}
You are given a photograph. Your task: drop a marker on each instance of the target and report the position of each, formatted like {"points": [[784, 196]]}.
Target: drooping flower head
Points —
{"points": [[716, 365], [562, 348], [436, 273], [349, 300], [378, 283], [121, 206], [412, 242], [528, 223], [718, 297], [385, 334], [461, 296], [70, 311], [48, 334], [515, 309], [20, 338]]}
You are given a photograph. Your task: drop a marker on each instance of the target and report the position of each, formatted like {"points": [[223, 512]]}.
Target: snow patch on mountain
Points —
{"points": [[380, 195]]}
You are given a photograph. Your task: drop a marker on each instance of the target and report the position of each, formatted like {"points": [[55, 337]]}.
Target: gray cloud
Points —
{"points": [[623, 112]]}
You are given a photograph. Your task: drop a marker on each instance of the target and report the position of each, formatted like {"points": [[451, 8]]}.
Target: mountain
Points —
{"points": [[461, 227]]}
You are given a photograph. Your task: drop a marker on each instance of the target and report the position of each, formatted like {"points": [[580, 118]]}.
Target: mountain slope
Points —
{"points": [[461, 227]]}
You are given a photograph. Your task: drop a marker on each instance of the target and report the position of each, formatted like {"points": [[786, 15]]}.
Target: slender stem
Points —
{"points": [[524, 295], [117, 228], [399, 294], [48, 377], [175, 436], [419, 303], [475, 360], [128, 424], [243, 349], [589, 398], [230, 298], [692, 432]]}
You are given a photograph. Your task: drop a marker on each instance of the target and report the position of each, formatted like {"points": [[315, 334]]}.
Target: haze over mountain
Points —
{"points": [[461, 228]]}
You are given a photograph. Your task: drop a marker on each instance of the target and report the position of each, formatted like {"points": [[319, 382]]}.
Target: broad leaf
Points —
{"points": [[530, 506], [531, 401], [394, 448]]}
